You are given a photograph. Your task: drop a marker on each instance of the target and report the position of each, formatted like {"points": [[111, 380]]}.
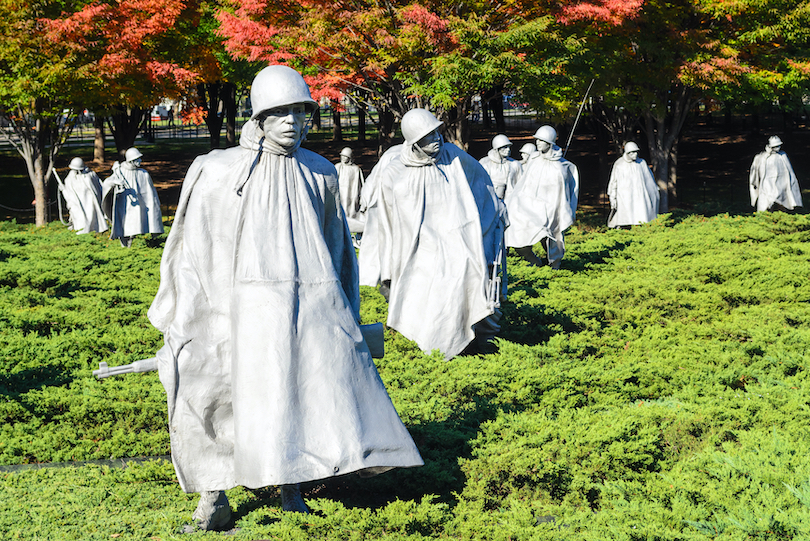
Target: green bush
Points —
{"points": [[654, 388]]}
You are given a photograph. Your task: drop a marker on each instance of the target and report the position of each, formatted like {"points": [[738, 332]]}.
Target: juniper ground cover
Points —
{"points": [[654, 388]]}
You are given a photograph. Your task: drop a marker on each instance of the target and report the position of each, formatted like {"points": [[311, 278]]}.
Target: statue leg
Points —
{"points": [[385, 289], [528, 254], [126, 242], [213, 511], [555, 250], [291, 499], [485, 331]]}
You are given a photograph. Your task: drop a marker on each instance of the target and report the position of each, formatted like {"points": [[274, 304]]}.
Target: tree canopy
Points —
{"points": [[651, 60], [38, 92]]}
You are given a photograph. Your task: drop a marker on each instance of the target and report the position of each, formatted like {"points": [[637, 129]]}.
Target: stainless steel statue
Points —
{"points": [[438, 245], [544, 202], [82, 192], [772, 182], [130, 200], [269, 378], [525, 153], [502, 169], [632, 190], [350, 179]]}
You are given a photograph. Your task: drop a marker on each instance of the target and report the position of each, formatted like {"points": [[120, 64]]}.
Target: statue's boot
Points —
{"points": [[291, 499], [528, 254], [485, 331], [213, 511]]}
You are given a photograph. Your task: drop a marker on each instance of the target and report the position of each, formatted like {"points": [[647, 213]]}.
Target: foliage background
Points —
{"points": [[654, 388]]}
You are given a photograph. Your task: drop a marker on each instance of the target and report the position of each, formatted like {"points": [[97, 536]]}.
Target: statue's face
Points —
{"points": [[430, 144], [543, 146], [345, 159], [505, 151], [774, 150], [285, 125], [631, 156], [136, 162]]}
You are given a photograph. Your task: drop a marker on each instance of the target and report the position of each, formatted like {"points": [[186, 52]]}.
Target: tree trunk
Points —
{"points": [[98, 139], [604, 149], [659, 160], [209, 97], [337, 129], [485, 110], [386, 136], [125, 124], [40, 135], [316, 119], [497, 110], [672, 182], [663, 124], [458, 127], [229, 106], [361, 124], [40, 198]]}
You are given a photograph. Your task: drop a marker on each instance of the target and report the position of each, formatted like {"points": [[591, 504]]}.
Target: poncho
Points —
{"points": [[350, 179], [369, 257], [633, 193], [504, 172], [82, 193], [440, 227], [772, 181], [136, 210], [544, 203], [269, 380]]}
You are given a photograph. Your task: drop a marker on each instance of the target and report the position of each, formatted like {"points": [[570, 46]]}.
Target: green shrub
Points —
{"points": [[654, 388]]}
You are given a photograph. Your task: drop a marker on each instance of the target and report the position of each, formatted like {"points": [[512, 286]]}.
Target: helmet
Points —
{"points": [[528, 148], [279, 85], [417, 123], [774, 141], [132, 154], [547, 134], [630, 147], [346, 152], [500, 141], [77, 164]]}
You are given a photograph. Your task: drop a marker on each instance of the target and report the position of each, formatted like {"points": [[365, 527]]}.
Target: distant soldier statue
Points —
{"points": [[82, 193], [350, 179], [525, 152], [544, 202], [130, 200], [502, 169], [438, 247], [269, 378], [773, 184], [632, 190]]}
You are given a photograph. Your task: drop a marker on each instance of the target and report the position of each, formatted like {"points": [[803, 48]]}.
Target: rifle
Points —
{"points": [[61, 189], [494, 286], [146, 365], [373, 335], [576, 121]]}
